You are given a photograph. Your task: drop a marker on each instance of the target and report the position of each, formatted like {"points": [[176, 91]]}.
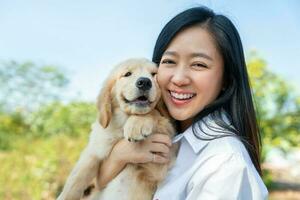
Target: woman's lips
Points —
{"points": [[181, 98]]}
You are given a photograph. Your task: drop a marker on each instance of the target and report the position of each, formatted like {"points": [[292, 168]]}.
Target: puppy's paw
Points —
{"points": [[133, 133], [146, 129], [136, 129]]}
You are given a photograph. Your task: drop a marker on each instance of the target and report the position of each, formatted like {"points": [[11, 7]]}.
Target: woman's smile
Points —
{"points": [[181, 98]]}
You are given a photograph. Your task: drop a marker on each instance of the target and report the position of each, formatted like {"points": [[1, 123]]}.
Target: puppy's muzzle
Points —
{"points": [[143, 84]]}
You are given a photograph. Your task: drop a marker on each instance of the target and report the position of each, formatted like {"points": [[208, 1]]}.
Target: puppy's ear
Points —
{"points": [[162, 108], [104, 103]]}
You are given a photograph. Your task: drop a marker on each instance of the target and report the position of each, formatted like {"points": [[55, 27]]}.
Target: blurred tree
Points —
{"points": [[72, 119], [277, 104], [26, 86], [12, 125]]}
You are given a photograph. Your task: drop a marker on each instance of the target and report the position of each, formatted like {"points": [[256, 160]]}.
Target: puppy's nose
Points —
{"points": [[143, 83]]}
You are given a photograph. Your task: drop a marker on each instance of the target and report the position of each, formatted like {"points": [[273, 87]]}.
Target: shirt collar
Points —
{"points": [[205, 132], [195, 143]]}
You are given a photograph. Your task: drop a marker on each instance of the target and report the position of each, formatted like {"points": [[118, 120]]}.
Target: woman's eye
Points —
{"points": [[128, 74], [167, 61], [200, 65]]}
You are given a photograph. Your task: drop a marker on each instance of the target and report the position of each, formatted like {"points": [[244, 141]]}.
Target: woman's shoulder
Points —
{"points": [[225, 166], [219, 140], [226, 145], [227, 150], [226, 160]]}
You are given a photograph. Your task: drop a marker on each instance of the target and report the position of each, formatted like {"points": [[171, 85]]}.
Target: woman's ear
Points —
{"points": [[104, 103]]}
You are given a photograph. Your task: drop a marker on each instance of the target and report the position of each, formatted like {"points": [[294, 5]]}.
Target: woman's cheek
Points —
{"points": [[159, 77]]}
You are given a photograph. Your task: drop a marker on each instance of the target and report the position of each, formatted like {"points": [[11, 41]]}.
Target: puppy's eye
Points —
{"points": [[153, 74], [128, 74]]}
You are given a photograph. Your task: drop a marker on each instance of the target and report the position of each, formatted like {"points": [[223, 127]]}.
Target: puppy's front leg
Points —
{"points": [[81, 176], [138, 128]]}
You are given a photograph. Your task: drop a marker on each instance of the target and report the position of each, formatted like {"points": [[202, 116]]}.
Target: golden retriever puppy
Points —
{"points": [[128, 108]]}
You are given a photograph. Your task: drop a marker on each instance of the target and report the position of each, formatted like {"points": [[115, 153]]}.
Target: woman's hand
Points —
{"points": [[155, 148]]}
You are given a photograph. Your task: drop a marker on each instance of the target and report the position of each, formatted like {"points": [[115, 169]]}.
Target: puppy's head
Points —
{"points": [[132, 87]]}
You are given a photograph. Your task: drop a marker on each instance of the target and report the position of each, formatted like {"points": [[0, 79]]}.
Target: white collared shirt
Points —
{"points": [[211, 170]]}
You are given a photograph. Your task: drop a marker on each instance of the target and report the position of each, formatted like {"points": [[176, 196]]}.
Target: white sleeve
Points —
{"points": [[226, 176]]}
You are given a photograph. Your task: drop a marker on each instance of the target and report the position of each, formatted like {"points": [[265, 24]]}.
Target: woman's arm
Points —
{"points": [[155, 149], [108, 170]]}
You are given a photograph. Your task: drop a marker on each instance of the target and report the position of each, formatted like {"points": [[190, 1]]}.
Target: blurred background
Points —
{"points": [[54, 56]]}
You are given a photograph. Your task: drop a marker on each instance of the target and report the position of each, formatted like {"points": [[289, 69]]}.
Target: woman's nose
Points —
{"points": [[180, 76]]}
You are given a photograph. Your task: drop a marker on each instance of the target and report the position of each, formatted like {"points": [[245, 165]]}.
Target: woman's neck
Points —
{"points": [[183, 125]]}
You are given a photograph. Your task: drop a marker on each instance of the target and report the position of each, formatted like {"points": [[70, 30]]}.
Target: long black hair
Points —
{"points": [[236, 97]]}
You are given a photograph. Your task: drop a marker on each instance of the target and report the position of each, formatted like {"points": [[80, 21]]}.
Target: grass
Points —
{"points": [[37, 169]]}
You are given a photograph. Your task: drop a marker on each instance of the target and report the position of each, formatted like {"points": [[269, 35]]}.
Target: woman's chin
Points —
{"points": [[178, 116]]}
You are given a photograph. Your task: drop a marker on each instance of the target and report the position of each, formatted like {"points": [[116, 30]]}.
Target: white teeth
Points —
{"points": [[181, 96]]}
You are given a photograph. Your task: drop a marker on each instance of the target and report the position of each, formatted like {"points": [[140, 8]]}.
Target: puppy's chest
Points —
{"points": [[118, 120]]}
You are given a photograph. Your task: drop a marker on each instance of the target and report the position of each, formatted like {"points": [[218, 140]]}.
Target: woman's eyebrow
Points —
{"points": [[171, 53], [202, 55]]}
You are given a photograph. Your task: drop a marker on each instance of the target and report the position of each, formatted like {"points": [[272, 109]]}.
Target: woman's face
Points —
{"points": [[190, 73]]}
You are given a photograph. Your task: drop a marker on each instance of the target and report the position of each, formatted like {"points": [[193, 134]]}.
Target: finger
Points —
{"points": [[165, 155], [159, 159], [161, 138], [159, 148]]}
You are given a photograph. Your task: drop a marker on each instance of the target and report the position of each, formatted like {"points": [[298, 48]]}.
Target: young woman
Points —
{"points": [[205, 86]]}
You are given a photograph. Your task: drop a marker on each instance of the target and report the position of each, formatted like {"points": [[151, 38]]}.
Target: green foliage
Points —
{"points": [[12, 125], [43, 148], [37, 168], [277, 104], [268, 180], [71, 119], [24, 87]]}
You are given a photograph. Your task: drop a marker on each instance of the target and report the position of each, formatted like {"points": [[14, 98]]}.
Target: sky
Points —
{"points": [[87, 38]]}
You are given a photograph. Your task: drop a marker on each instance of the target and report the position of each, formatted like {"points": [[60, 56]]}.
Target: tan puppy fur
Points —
{"points": [[123, 114]]}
